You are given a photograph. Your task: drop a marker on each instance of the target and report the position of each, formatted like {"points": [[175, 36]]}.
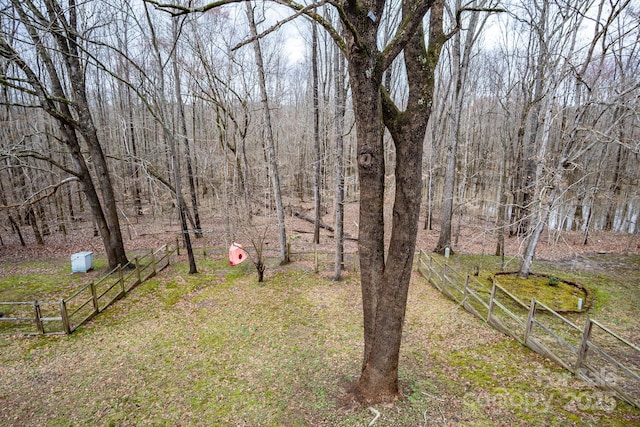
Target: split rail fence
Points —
{"points": [[323, 255], [594, 352], [66, 315]]}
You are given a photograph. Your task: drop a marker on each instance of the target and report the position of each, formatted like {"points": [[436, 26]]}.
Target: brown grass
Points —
{"points": [[219, 349]]}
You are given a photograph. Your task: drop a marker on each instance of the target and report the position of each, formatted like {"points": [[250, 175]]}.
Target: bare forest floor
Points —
{"points": [[474, 236], [219, 349]]}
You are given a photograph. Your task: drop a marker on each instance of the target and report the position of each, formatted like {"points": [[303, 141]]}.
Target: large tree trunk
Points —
{"points": [[170, 137], [108, 198], [543, 213], [33, 222], [90, 135], [370, 160], [385, 285], [376, 380]]}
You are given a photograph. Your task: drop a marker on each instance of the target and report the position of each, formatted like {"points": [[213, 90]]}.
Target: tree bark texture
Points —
{"points": [[316, 133], [385, 285]]}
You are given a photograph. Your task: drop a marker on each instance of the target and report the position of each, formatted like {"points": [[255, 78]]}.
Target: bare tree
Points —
{"points": [[316, 133], [384, 282], [170, 137], [64, 98], [182, 123], [460, 61], [339, 113], [558, 31], [269, 138]]}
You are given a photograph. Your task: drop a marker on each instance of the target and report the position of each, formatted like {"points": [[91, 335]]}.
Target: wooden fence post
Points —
{"points": [[38, 317], [491, 304], [177, 247], [315, 257], [166, 253], [584, 345], [529, 326], [121, 280], [137, 263], [65, 317], [465, 292], [94, 297], [444, 276], [153, 262], [287, 256]]}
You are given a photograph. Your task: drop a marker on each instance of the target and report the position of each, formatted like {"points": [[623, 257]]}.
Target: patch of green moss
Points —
{"points": [[553, 292], [490, 380], [479, 366]]}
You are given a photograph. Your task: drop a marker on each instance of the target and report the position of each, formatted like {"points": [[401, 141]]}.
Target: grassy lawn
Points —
{"points": [[218, 348], [44, 280], [613, 278]]}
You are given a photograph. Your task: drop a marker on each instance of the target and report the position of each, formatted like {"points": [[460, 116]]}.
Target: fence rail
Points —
{"points": [[605, 359], [323, 254], [66, 315]]}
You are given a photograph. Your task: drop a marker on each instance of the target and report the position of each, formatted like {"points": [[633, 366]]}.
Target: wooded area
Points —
{"points": [[118, 110], [557, 90]]}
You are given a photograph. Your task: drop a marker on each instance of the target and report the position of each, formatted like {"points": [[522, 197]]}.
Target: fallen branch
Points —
{"points": [[346, 237], [327, 227], [307, 218], [376, 413]]}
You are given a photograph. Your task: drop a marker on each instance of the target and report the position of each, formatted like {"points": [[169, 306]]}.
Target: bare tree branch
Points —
{"points": [[177, 10], [405, 31], [280, 23], [41, 194]]}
